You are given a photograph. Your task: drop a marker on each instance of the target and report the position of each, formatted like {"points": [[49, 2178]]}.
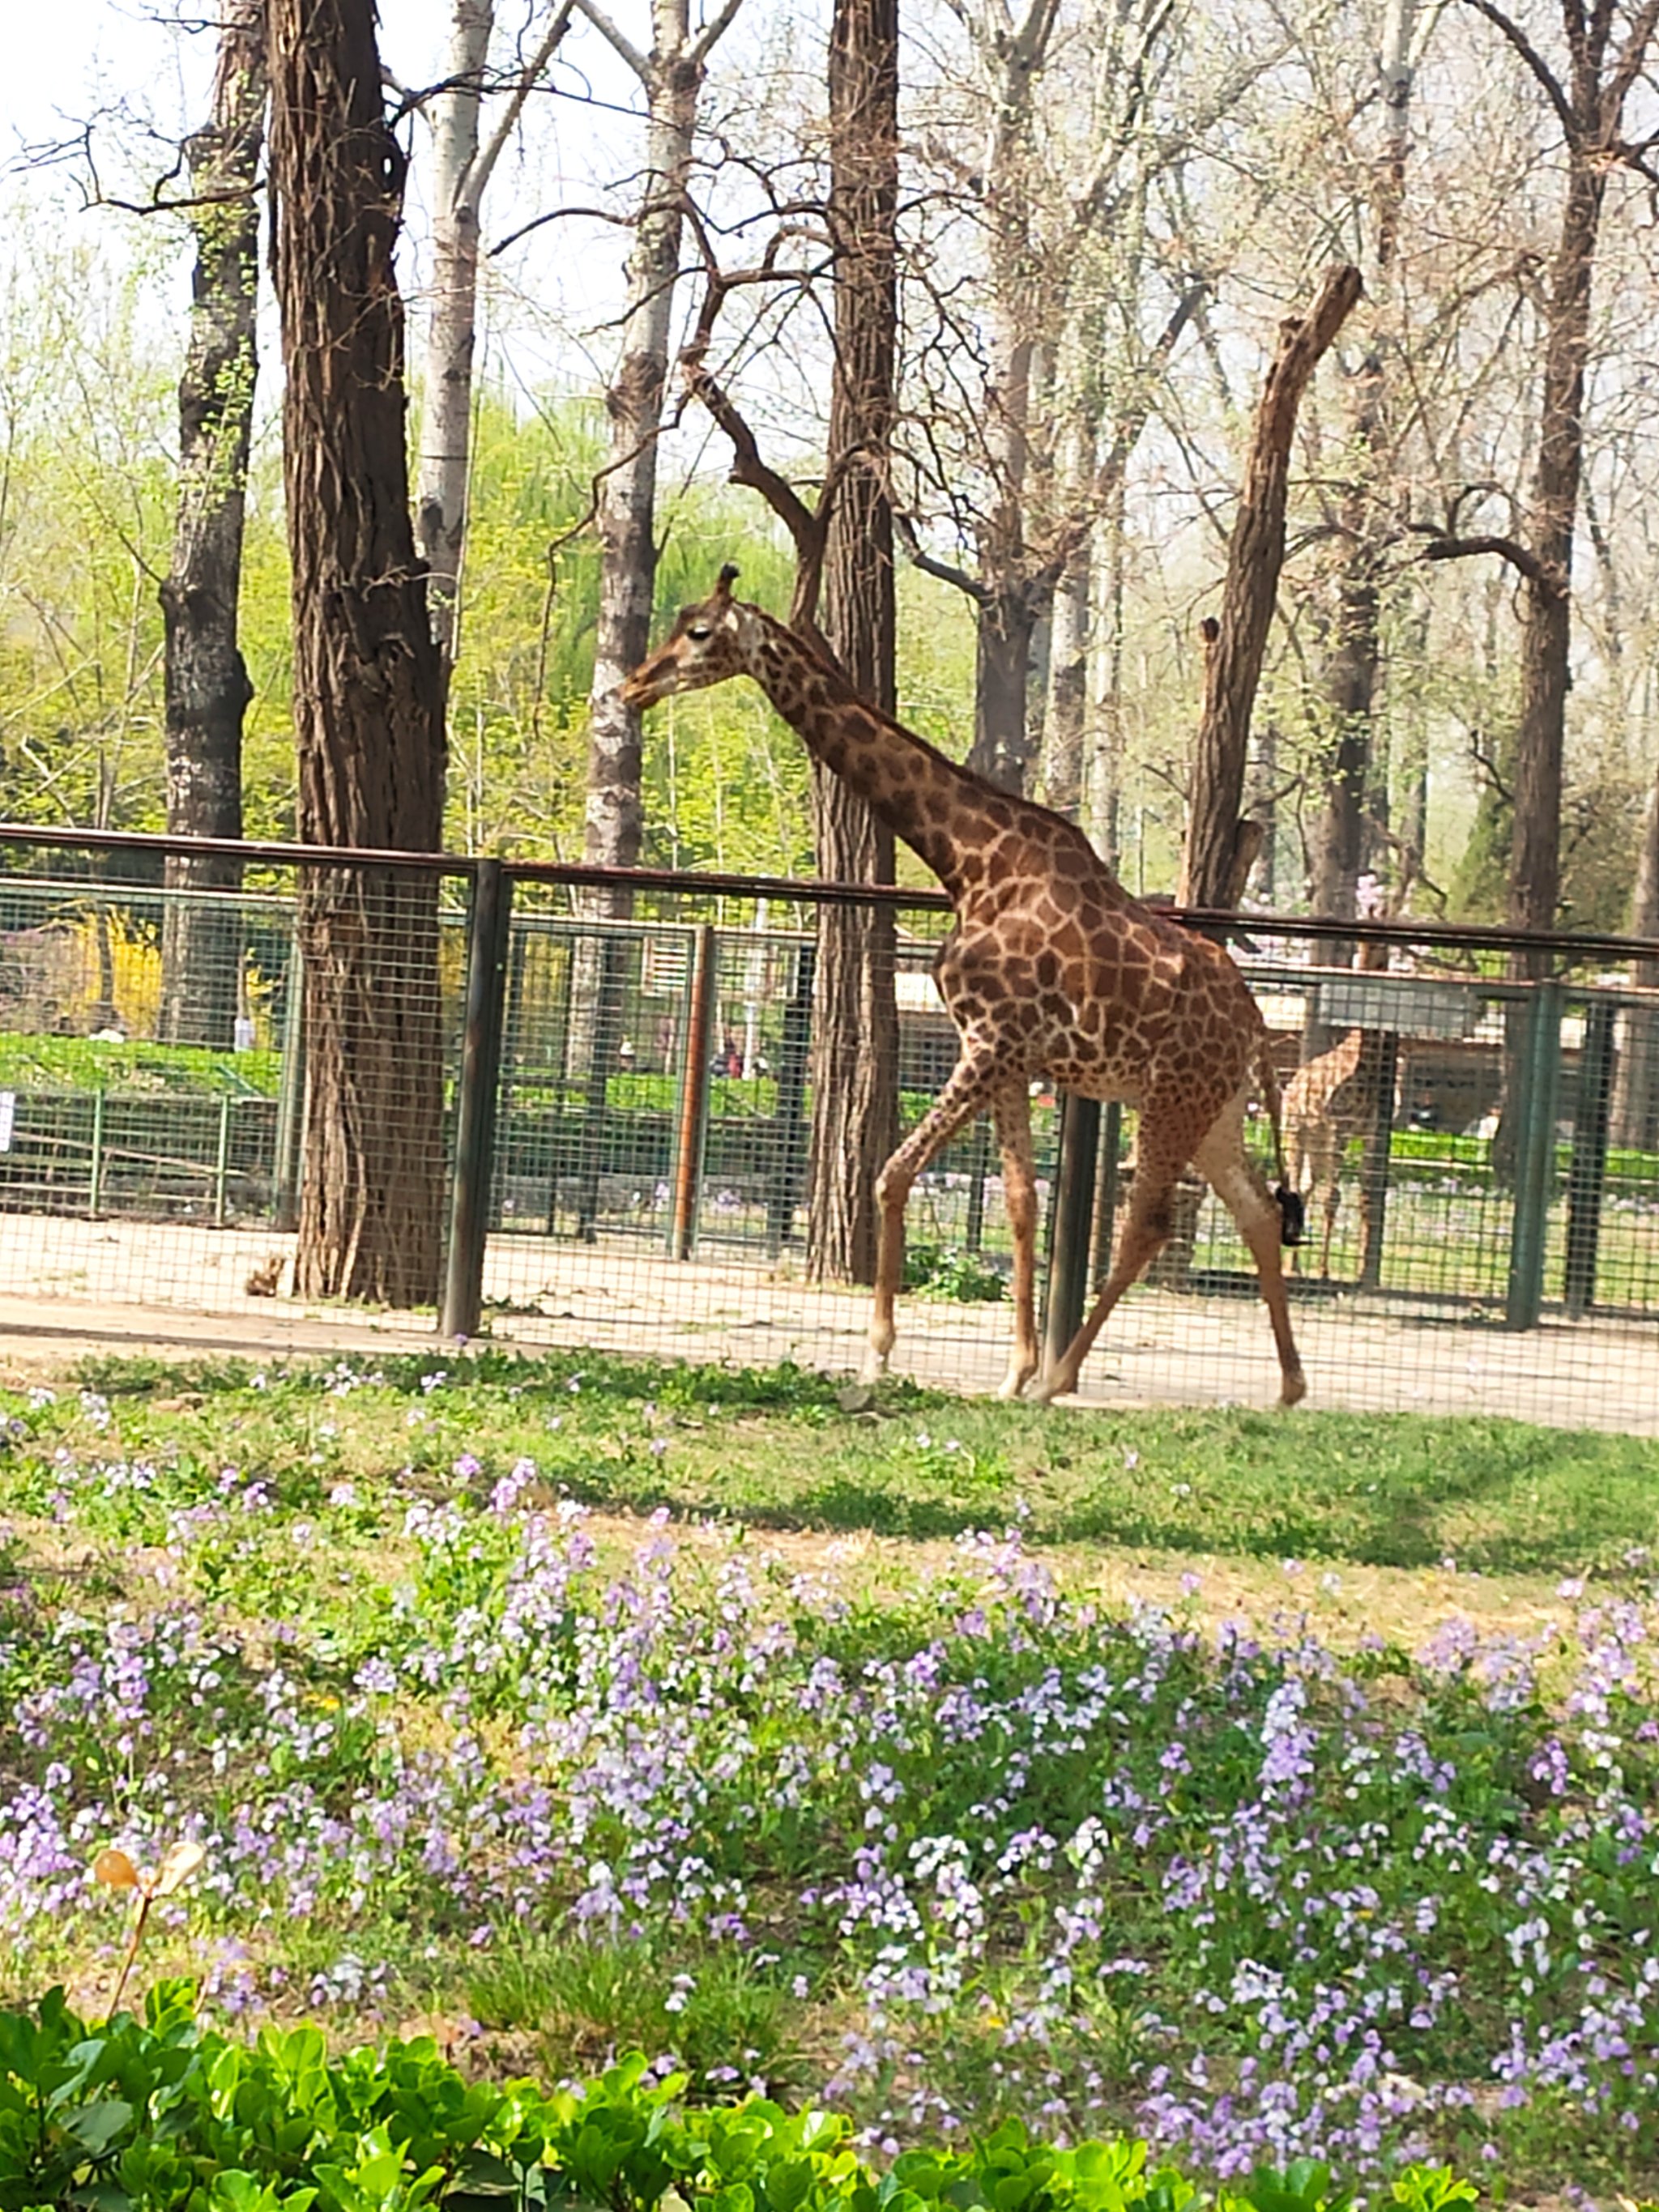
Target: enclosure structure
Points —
{"points": [[1480, 1156]]}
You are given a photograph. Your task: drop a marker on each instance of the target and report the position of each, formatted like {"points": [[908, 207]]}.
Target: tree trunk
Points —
{"points": [[1546, 632], [1003, 636], [1255, 556], [1066, 724], [206, 683], [446, 389], [1535, 893], [368, 679], [1349, 685], [855, 1030], [1103, 769], [462, 166], [627, 517], [1636, 1082]]}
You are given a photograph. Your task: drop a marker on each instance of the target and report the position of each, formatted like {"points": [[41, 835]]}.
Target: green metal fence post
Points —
{"points": [[1106, 1183], [790, 1149], [1535, 1159], [693, 1094], [1587, 1176], [1376, 1153], [475, 1117], [1074, 1220]]}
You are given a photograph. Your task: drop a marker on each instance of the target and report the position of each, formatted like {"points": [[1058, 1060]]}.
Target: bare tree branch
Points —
{"points": [[943, 570], [1535, 62], [1543, 575], [483, 165], [623, 47], [712, 33]]}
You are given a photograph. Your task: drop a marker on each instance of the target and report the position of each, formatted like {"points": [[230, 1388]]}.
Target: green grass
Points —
{"points": [[67, 1063], [778, 1449], [338, 1569]]}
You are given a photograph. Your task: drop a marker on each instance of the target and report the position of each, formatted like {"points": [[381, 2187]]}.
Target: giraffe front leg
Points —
{"points": [[960, 1100], [889, 1273]]}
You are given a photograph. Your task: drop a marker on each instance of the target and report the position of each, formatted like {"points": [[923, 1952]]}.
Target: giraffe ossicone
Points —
{"points": [[1051, 969]]}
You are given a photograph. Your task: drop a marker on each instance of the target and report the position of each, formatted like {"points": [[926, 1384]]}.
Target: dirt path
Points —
{"points": [[148, 1286]]}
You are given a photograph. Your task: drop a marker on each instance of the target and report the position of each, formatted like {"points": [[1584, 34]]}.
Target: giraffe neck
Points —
{"points": [[938, 808]]}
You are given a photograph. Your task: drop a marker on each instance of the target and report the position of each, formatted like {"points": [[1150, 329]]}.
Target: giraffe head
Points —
{"points": [[708, 643]]}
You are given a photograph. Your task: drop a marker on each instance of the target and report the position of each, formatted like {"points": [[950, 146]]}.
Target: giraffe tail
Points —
{"points": [[1291, 1213]]}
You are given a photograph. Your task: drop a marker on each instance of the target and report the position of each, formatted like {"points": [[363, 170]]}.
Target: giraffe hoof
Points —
{"points": [[1050, 1387], [1012, 1384], [1295, 1390], [874, 1367]]}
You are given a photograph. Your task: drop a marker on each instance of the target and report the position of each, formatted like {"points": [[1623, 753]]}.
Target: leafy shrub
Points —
{"points": [[159, 2114], [944, 1271]]}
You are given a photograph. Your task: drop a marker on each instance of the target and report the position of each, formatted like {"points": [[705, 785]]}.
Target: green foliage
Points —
{"points": [[943, 1271], [87, 1064], [163, 2114], [774, 1448]]}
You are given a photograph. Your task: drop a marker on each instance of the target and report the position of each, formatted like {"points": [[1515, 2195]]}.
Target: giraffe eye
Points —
{"points": [[700, 630]]}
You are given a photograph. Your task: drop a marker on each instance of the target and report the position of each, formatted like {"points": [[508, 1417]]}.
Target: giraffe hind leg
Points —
{"points": [[963, 1096]]}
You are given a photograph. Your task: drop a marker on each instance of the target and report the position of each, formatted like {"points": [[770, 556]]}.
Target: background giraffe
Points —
{"points": [[1337, 1095], [1050, 970], [1328, 1102]]}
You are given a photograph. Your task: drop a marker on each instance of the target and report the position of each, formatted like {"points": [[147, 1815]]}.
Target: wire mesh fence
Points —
{"points": [[438, 1088]]}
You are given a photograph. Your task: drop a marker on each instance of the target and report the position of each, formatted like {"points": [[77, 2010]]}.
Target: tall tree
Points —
{"points": [[855, 1025], [368, 678], [206, 682], [1606, 50], [671, 76], [1366, 528], [1219, 848], [462, 162]]}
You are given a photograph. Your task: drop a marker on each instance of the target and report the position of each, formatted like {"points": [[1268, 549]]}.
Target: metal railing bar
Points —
{"points": [[809, 891], [253, 850]]}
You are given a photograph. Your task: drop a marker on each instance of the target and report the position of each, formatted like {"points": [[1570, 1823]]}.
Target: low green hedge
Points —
{"points": [[163, 2113]]}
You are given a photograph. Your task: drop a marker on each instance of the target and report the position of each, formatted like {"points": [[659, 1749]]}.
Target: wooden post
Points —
{"points": [[1237, 643]]}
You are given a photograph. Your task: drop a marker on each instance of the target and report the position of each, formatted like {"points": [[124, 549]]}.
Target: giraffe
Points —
{"points": [[1050, 969], [1328, 1102], [1334, 1098]]}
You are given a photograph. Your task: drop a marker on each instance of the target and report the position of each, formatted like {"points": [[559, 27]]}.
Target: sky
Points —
{"points": [[142, 81]]}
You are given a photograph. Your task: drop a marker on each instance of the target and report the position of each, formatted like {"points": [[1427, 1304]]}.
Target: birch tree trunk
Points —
{"points": [[462, 162], [447, 385], [368, 679], [671, 76], [627, 517], [206, 682]]}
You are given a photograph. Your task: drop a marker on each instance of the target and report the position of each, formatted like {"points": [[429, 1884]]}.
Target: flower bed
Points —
{"points": [[971, 1851]]}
